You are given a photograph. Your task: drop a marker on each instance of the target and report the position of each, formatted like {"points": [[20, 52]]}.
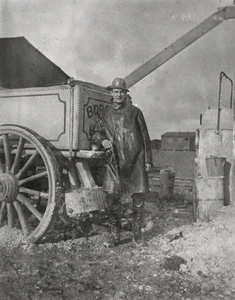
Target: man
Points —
{"points": [[121, 131]]}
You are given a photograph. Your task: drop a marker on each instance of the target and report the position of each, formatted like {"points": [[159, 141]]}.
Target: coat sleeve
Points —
{"points": [[146, 138]]}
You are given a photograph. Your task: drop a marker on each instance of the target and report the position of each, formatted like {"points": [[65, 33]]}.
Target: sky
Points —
{"points": [[98, 40]]}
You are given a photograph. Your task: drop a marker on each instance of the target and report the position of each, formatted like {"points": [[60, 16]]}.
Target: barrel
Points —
{"points": [[210, 196]]}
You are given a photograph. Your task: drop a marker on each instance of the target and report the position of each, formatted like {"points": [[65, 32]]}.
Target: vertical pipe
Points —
{"points": [[71, 115], [222, 74], [231, 96], [219, 100]]}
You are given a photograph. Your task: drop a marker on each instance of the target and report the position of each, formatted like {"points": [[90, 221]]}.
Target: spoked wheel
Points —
{"points": [[30, 192]]}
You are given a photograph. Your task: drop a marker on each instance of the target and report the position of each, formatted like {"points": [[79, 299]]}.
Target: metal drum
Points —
{"points": [[210, 196]]}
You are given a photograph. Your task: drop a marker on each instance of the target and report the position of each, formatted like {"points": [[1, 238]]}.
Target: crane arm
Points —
{"points": [[228, 12]]}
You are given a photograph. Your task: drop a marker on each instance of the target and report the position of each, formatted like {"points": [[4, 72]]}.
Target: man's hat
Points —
{"points": [[118, 83]]}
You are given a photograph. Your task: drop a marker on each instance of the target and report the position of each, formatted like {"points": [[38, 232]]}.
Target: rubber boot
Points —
{"points": [[137, 217], [115, 228], [114, 220]]}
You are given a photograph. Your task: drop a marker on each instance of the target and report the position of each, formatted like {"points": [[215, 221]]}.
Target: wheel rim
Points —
{"points": [[30, 193]]}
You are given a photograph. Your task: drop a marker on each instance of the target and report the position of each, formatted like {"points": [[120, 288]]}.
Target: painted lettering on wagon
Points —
{"points": [[94, 109], [90, 111]]}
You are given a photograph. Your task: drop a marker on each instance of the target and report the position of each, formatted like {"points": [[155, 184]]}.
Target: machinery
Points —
{"points": [[46, 165]]}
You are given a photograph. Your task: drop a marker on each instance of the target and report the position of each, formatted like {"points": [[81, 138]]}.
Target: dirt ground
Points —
{"points": [[177, 259]]}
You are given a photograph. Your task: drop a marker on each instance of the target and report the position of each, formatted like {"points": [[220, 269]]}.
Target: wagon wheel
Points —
{"points": [[30, 181]]}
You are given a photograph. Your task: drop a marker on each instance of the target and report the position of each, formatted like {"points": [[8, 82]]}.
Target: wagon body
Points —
{"points": [[62, 115]]}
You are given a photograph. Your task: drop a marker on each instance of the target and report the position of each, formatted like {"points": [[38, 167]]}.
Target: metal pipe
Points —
{"points": [[71, 119], [222, 74], [207, 25], [231, 94], [219, 100]]}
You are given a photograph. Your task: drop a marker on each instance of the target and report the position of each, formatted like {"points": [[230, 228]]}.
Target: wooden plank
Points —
{"points": [[84, 174], [90, 154]]}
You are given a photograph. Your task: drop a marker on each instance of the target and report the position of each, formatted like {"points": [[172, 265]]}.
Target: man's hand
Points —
{"points": [[94, 148], [147, 167], [107, 144]]}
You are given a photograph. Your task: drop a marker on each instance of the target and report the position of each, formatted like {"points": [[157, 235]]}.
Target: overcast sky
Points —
{"points": [[98, 40]]}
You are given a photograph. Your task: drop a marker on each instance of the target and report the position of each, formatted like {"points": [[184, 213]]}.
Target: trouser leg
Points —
{"points": [[137, 216], [114, 218]]}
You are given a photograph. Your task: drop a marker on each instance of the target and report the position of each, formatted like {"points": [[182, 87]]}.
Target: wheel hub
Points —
{"points": [[8, 187]]}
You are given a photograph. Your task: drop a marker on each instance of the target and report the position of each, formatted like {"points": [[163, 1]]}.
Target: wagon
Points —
{"points": [[46, 165]]}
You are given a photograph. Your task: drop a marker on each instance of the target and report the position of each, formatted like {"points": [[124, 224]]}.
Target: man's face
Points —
{"points": [[118, 95]]}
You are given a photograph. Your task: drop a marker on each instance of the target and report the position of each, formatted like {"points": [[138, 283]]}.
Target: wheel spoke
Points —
{"points": [[18, 156], [32, 178], [10, 213], [2, 168], [27, 165], [22, 199], [2, 212], [21, 216], [7, 151], [34, 192]]}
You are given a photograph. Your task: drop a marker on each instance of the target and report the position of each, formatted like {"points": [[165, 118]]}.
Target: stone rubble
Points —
{"points": [[208, 248], [11, 238]]}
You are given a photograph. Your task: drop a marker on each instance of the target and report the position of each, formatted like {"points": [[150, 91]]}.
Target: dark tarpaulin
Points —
{"points": [[23, 66]]}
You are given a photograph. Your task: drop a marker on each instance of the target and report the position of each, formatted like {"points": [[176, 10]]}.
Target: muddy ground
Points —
{"points": [[74, 267]]}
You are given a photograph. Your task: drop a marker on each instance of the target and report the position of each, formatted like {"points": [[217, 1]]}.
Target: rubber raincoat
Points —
{"points": [[125, 127]]}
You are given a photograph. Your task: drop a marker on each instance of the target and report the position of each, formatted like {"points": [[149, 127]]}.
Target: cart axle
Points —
{"points": [[9, 187]]}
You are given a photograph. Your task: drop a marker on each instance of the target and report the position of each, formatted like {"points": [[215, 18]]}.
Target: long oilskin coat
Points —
{"points": [[125, 127]]}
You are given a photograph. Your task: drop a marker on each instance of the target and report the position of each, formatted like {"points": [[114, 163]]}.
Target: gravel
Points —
{"points": [[207, 248]]}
